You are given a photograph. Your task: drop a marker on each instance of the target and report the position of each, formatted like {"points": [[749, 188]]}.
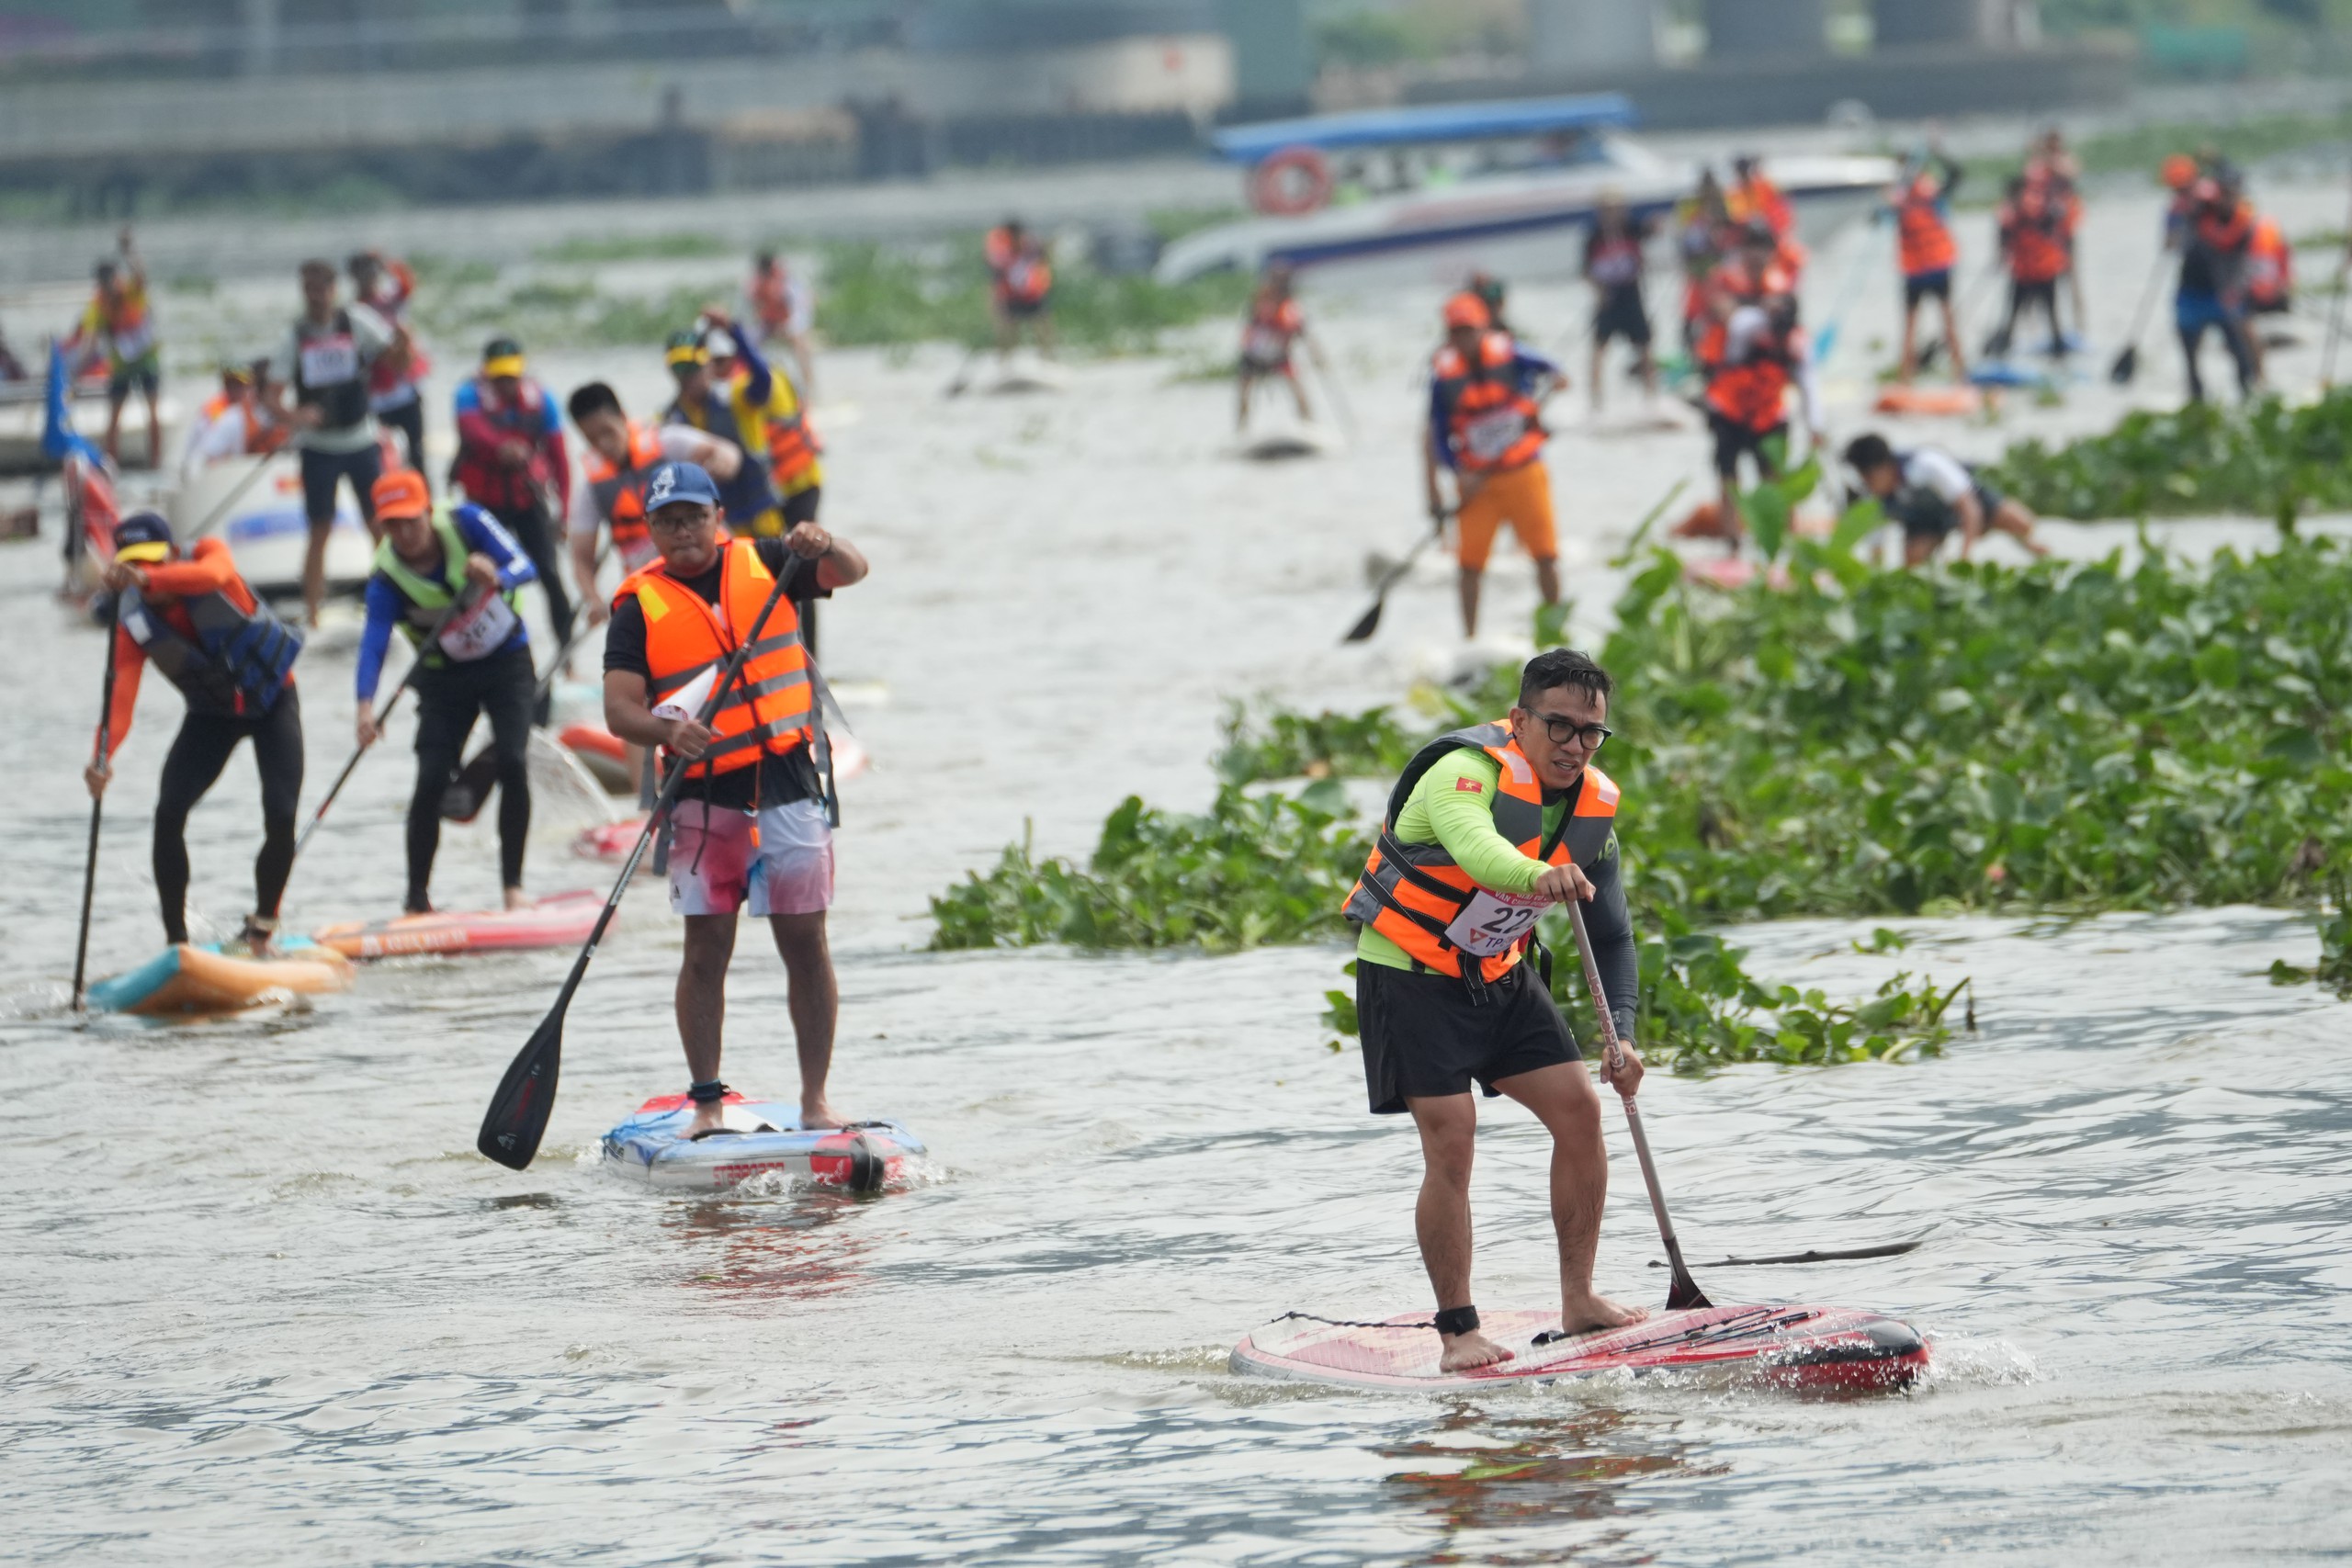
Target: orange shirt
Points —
{"points": [[209, 568]]}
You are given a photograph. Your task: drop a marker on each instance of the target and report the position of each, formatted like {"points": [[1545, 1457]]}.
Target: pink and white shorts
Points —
{"points": [[721, 862]]}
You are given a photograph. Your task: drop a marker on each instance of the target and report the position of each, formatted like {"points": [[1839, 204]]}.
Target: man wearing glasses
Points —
{"points": [[1486, 827], [749, 826]]}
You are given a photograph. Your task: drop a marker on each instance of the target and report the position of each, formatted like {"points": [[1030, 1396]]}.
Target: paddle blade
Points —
{"points": [[517, 1118], [469, 791], [2126, 365], [1684, 1294], [1364, 629]]}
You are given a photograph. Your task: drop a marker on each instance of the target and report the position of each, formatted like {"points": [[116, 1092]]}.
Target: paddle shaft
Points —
{"points": [[234, 496], [408, 675], [2127, 364], [542, 1053], [1369, 622], [1825, 342], [97, 802], [2334, 321], [1683, 1291]]}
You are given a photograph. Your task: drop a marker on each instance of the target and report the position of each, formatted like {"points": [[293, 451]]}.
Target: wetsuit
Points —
{"points": [[220, 713]]}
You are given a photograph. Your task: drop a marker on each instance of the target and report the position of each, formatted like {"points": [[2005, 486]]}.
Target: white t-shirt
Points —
{"points": [[371, 336], [214, 439], [1939, 473]]}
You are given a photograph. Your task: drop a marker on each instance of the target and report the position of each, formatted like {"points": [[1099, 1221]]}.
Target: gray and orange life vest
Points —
{"points": [[1411, 893], [1491, 423], [236, 661], [768, 708], [619, 492]]}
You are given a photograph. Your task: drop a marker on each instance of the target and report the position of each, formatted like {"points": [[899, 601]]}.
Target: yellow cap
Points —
{"points": [[688, 354], [504, 365], [152, 550]]}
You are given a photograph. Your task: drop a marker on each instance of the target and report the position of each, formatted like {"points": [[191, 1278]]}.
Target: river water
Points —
{"points": [[266, 1305]]}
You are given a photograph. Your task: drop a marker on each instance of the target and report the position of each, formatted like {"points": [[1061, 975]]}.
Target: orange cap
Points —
{"points": [[2179, 170], [1468, 310], [402, 493]]}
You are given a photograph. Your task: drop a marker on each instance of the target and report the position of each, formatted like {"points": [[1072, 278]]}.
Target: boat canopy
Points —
{"points": [[1437, 122]]}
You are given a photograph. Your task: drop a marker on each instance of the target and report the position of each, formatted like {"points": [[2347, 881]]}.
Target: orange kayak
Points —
{"points": [[1930, 400]]}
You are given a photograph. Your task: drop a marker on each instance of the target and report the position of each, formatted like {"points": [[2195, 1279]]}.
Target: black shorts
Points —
{"points": [[1253, 369], [321, 471], [1936, 285], [1424, 1037], [1734, 440], [1021, 310], [2041, 296], [800, 507], [1622, 314]]}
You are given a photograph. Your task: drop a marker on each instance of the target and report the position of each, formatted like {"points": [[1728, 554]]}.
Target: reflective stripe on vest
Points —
{"points": [[768, 708], [1491, 424], [1410, 893]]}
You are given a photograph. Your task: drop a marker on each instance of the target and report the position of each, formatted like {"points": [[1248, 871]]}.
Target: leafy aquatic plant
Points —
{"points": [[2268, 459]]}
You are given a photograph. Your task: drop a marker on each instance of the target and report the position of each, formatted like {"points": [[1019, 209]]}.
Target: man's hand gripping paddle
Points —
{"points": [[517, 1118], [1683, 1291]]}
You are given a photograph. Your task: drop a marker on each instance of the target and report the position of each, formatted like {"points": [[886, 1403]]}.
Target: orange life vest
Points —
{"points": [[792, 445], [1021, 273], [2034, 230], [1272, 324], [767, 708], [618, 497], [1753, 392], [1757, 196], [1411, 893], [1491, 425], [1925, 238], [2270, 265]]}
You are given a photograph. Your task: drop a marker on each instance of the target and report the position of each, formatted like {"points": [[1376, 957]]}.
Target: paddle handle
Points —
{"points": [[98, 804], [1685, 1290]]}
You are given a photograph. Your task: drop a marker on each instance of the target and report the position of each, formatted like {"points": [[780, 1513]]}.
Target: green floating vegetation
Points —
{"points": [[2067, 737], [883, 295], [2268, 459], [591, 248]]}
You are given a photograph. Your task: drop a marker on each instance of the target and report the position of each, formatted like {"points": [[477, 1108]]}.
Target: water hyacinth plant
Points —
{"points": [[2071, 736]]}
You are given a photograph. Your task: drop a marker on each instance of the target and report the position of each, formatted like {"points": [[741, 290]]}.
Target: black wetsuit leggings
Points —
{"points": [[198, 753], [534, 531], [448, 698]]}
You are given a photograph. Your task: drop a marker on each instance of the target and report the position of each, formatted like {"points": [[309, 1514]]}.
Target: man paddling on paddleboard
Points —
{"points": [[481, 662], [1486, 827], [198, 623], [751, 828]]}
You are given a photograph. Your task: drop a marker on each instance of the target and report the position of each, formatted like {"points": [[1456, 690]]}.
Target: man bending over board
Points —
{"points": [[1486, 827]]}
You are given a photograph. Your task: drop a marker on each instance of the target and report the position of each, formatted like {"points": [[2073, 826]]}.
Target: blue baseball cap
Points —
{"points": [[674, 482], [142, 536]]}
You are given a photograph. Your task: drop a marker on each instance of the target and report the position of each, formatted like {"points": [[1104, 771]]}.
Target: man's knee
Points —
{"points": [[801, 939], [1449, 1129]]}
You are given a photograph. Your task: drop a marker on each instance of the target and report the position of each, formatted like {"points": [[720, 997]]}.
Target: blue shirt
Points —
{"points": [[483, 533], [1526, 371]]}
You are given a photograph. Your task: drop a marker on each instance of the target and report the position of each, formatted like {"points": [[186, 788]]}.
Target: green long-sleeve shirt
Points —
{"points": [[1444, 810]]}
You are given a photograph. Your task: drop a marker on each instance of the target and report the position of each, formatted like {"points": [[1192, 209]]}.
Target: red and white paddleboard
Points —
{"points": [[562, 920], [1795, 1347]]}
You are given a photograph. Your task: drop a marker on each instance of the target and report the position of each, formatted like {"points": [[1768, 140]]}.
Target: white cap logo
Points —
{"points": [[665, 479]]}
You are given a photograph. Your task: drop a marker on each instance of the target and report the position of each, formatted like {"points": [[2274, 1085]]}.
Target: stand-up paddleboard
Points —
{"points": [[610, 842], [1815, 1348], [1024, 374], [763, 1136], [1930, 401], [562, 920], [602, 753], [190, 979], [1286, 443]]}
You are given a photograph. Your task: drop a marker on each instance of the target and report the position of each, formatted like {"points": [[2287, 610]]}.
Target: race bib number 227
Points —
{"points": [[1493, 923]]}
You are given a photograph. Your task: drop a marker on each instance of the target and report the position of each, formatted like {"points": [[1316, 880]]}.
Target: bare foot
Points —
{"points": [[517, 899], [1464, 1352], [819, 1116], [1582, 1314], [709, 1117]]}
